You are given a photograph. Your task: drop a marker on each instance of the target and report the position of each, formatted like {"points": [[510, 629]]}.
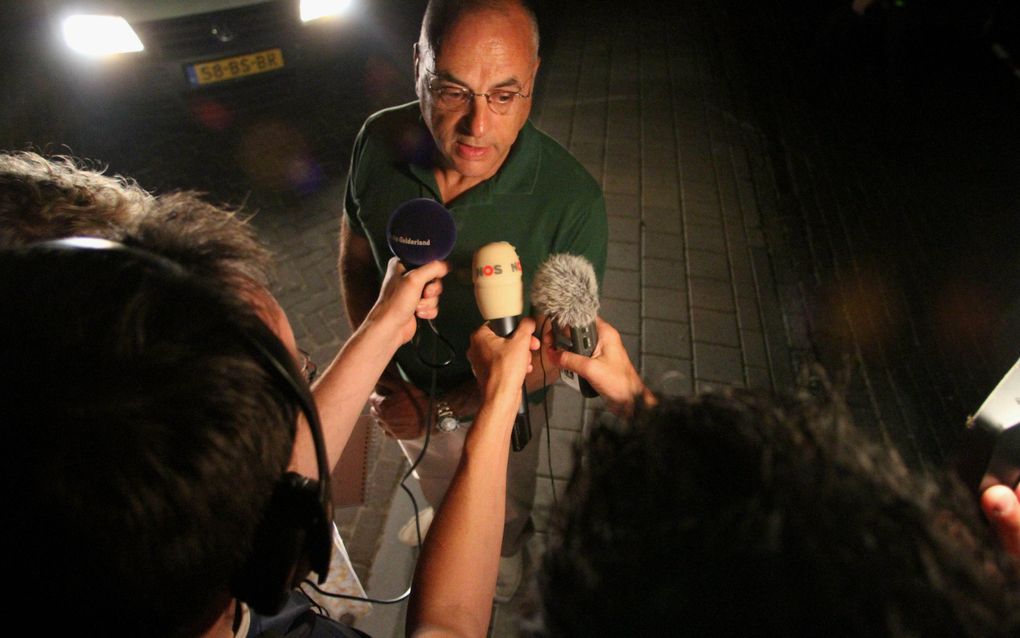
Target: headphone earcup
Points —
{"points": [[296, 531], [292, 539]]}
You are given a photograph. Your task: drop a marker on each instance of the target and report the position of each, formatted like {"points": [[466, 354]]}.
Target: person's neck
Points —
{"points": [[224, 625], [453, 184]]}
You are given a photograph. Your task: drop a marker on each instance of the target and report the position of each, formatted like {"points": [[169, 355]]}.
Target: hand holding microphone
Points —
{"points": [[420, 233], [588, 350], [499, 292], [406, 296], [566, 290], [608, 369]]}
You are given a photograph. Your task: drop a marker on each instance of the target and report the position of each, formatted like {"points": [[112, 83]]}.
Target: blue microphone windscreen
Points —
{"points": [[420, 231]]}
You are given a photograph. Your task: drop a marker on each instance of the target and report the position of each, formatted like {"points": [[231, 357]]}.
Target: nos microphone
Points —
{"points": [[566, 290], [421, 231], [499, 291]]}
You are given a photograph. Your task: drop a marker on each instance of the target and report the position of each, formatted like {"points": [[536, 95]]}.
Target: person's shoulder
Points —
{"points": [[561, 167], [402, 114], [397, 132]]}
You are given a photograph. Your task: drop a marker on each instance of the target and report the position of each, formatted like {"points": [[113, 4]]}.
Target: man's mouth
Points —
{"points": [[469, 152]]}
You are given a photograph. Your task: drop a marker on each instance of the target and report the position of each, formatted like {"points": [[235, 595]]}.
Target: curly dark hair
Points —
{"points": [[741, 514], [48, 198], [52, 198]]}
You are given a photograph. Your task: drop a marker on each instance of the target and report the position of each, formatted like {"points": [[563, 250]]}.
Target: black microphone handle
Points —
{"points": [[583, 340], [504, 327], [522, 424]]}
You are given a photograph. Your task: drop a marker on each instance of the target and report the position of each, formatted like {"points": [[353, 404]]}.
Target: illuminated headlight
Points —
{"points": [[315, 9], [100, 35]]}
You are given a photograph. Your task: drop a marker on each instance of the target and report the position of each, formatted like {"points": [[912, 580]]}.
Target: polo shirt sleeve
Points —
{"points": [[587, 232], [352, 204]]}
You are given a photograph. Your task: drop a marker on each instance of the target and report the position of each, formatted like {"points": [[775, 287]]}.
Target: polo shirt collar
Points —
{"points": [[517, 176]]}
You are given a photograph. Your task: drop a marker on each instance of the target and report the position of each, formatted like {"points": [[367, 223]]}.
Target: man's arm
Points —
{"points": [[397, 404], [455, 577], [359, 283]]}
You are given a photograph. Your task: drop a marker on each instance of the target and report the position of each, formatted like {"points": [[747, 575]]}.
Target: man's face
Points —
{"points": [[484, 51]]}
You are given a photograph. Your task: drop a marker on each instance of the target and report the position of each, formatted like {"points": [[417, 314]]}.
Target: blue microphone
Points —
{"points": [[421, 231]]}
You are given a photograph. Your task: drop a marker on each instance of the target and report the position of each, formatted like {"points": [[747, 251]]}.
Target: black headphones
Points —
{"points": [[295, 534]]}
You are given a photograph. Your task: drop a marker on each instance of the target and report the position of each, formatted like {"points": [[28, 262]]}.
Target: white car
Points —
{"points": [[189, 45]]}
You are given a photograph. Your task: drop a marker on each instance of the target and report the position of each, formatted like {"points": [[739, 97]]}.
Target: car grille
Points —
{"points": [[194, 37]]}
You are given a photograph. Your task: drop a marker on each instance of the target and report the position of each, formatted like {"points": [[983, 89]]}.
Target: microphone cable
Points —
{"points": [[545, 411], [434, 366]]}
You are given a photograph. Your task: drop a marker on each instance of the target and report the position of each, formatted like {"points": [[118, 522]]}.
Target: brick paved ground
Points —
{"points": [[897, 188], [780, 195]]}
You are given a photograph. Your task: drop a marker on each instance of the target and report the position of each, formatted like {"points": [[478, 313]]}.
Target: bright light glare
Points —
{"points": [[100, 35], [315, 9]]}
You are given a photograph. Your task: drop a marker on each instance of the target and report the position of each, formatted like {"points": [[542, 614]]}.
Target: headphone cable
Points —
{"points": [[545, 411], [435, 366]]}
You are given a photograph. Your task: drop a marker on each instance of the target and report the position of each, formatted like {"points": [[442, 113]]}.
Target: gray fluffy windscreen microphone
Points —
{"points": [[566, 290]]}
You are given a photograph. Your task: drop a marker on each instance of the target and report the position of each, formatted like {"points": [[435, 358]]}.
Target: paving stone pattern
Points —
{"points": [[761, 183]]}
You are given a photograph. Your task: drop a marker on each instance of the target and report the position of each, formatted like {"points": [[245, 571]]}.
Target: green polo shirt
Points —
{"points": [[541, 201]]}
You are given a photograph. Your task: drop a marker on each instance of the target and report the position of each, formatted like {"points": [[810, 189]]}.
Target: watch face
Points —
{"points": [[447, 424]]}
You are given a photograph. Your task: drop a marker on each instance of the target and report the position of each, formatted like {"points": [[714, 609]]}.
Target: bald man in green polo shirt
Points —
{"points": [[468, 144]]}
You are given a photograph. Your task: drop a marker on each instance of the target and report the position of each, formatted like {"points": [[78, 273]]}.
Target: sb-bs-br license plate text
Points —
{"points": [[235, 67]]}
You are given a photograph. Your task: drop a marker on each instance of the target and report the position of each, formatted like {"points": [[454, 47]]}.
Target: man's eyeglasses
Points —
{"points": [[308, 367], [451, 97]]}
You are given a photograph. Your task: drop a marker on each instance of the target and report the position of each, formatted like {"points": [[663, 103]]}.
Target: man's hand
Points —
{"points": [[1001, 506], [399, 409], [608, 370], [501, 364], [406, 295]]}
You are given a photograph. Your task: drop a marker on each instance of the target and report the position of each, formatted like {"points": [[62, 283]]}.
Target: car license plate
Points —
{"points": [[236, 67]]}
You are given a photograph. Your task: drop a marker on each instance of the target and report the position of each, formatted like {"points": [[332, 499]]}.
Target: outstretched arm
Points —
{"points": [[396, 405], [341, 391], [1001, 506], [455, 578], [608, 370]]}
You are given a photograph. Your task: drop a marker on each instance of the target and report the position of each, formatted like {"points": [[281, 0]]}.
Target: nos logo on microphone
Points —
{"points": [[497, 269]]}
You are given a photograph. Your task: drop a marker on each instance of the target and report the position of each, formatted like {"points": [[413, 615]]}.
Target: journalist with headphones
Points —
{"points": [[153, 422]]}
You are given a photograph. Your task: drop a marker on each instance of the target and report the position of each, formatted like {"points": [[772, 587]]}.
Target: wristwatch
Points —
{"points": [[445, 419]]}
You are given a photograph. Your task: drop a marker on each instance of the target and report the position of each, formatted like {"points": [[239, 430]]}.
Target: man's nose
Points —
{"points": [[476, 119]]}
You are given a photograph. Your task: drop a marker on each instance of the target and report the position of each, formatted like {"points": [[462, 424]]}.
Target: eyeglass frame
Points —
{"points": [[471, 95], [308, 368]]}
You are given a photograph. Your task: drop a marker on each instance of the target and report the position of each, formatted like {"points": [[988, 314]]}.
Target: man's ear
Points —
{"points": [[417, 59]]}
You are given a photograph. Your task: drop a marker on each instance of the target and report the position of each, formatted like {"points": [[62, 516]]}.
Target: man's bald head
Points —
{"points": [[442, 15]]}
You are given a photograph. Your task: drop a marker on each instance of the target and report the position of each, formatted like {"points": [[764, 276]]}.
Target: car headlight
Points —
{"points": [[97, 35], [315, 9]]}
